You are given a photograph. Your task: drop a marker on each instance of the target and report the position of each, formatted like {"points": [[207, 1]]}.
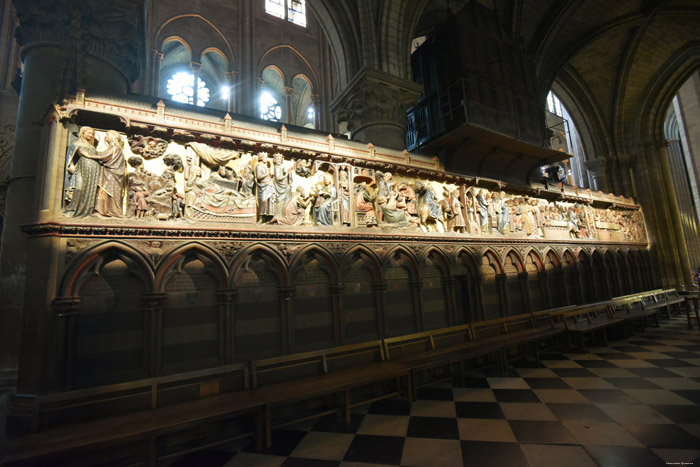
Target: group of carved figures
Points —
{"points": [[224, 185]]}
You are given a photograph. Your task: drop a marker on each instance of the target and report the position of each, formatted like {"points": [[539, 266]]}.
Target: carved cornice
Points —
{"points": [[500, 244], [100, 28]]}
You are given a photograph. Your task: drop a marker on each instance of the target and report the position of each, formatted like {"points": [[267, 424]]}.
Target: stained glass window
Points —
{"points": [[269, 107], [180, 87], [291, 10]]}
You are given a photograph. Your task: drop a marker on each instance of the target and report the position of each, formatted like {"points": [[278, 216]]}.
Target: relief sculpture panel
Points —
{"points": [[154, 179]]}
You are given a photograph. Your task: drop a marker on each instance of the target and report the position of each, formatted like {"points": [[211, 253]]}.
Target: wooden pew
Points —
{"points": [[334, 372], [635, 308], [590, 319], [81, 424]]}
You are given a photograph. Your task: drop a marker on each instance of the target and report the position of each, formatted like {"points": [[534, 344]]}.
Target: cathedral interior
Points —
{"points": [[203, 203]]}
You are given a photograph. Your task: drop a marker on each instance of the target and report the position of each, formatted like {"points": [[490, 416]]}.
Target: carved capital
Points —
{"points": [[375, 97], [286, 293], [153, 301], [65, 306], [196, 67], [104, 29], [598, 167]]}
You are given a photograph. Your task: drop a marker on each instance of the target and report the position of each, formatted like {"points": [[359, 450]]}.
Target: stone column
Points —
{"points": [[64, 309], [374, 107], [626, 179], [286, 294], [448, 285], [416, 290], [379, 289], [684, 271], [502, 293], [61, 51], [337, 291], [224, 300], [316, 99], [156, 60], [598, 170], [288, 105], [232, 78], [525, 291], [152, 305]]}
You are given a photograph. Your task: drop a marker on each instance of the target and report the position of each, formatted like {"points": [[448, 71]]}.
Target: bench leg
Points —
{"points": [[268, 427], [347, 407], [152, 455], [259, 428]]}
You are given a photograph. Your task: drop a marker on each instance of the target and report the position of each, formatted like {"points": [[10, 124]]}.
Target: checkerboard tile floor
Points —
{"points": [[632, 403]]}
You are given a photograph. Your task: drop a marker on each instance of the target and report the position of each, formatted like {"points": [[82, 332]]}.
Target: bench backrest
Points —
{"points": [[484, 330], [318, 362], [395, 347], [519, 323]]}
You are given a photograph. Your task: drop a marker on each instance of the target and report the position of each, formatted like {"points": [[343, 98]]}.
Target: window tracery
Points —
{"points": [[291, 10], [181, 88]]}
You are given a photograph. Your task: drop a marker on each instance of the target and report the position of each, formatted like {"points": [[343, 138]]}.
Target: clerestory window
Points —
{"points": [[181, 88], [291, 10]]}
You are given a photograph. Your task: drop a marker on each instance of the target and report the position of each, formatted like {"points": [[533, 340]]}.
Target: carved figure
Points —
{"points": [[344, 195], [148, 147], [302, 167], [322, 212], [112, 177], [428, 208], [364, 200], [484, 205], [294, 210], [282, 179], [393, 214], [84, 173], [456, 222], [266, 190]]}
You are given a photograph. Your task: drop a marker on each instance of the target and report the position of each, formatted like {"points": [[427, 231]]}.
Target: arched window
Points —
{"points": [[291, 10], [181, 88], [270, 109], [273, 101]]}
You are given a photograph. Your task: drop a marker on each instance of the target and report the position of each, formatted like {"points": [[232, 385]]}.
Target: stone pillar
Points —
{"points": [[684, 271], [156, 60], [598, 171], [448, 284], [225, 300], [502, 294], [286, 294], [416, 290], [288, 105], [316, 99], [232, 78], [61, 51], [379, 289], [525, 291], [64, 309], [374, 107], [152, 305], [626, 186], [337, 291]]}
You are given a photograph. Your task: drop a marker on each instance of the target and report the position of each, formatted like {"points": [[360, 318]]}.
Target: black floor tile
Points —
{"points": [[479, 410], [336, 424], [297, 462], [692, 395], [435, 394], [573, 373], [629, 348], [497, 372], [547, 383], [471, 382], [618, 456], [608, 396], [433, 427], [526, 363], [390, 407], [663, 436], [283, 442], [515, 395], [669, 363], [595, 364], [679, 413], [530, 432], [631, 383], [682, 354], [653, 373], [615, 356], [579, 412], [691, 348], [553, 356], [213, 458], [375, 449], [484, 454]]}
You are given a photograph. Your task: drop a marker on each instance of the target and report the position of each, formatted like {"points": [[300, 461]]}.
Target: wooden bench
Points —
{"points": [[670, 300], [691, 306], [635, 309], [587, 319], [335, 372], [85, 423], [441, 348]]}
